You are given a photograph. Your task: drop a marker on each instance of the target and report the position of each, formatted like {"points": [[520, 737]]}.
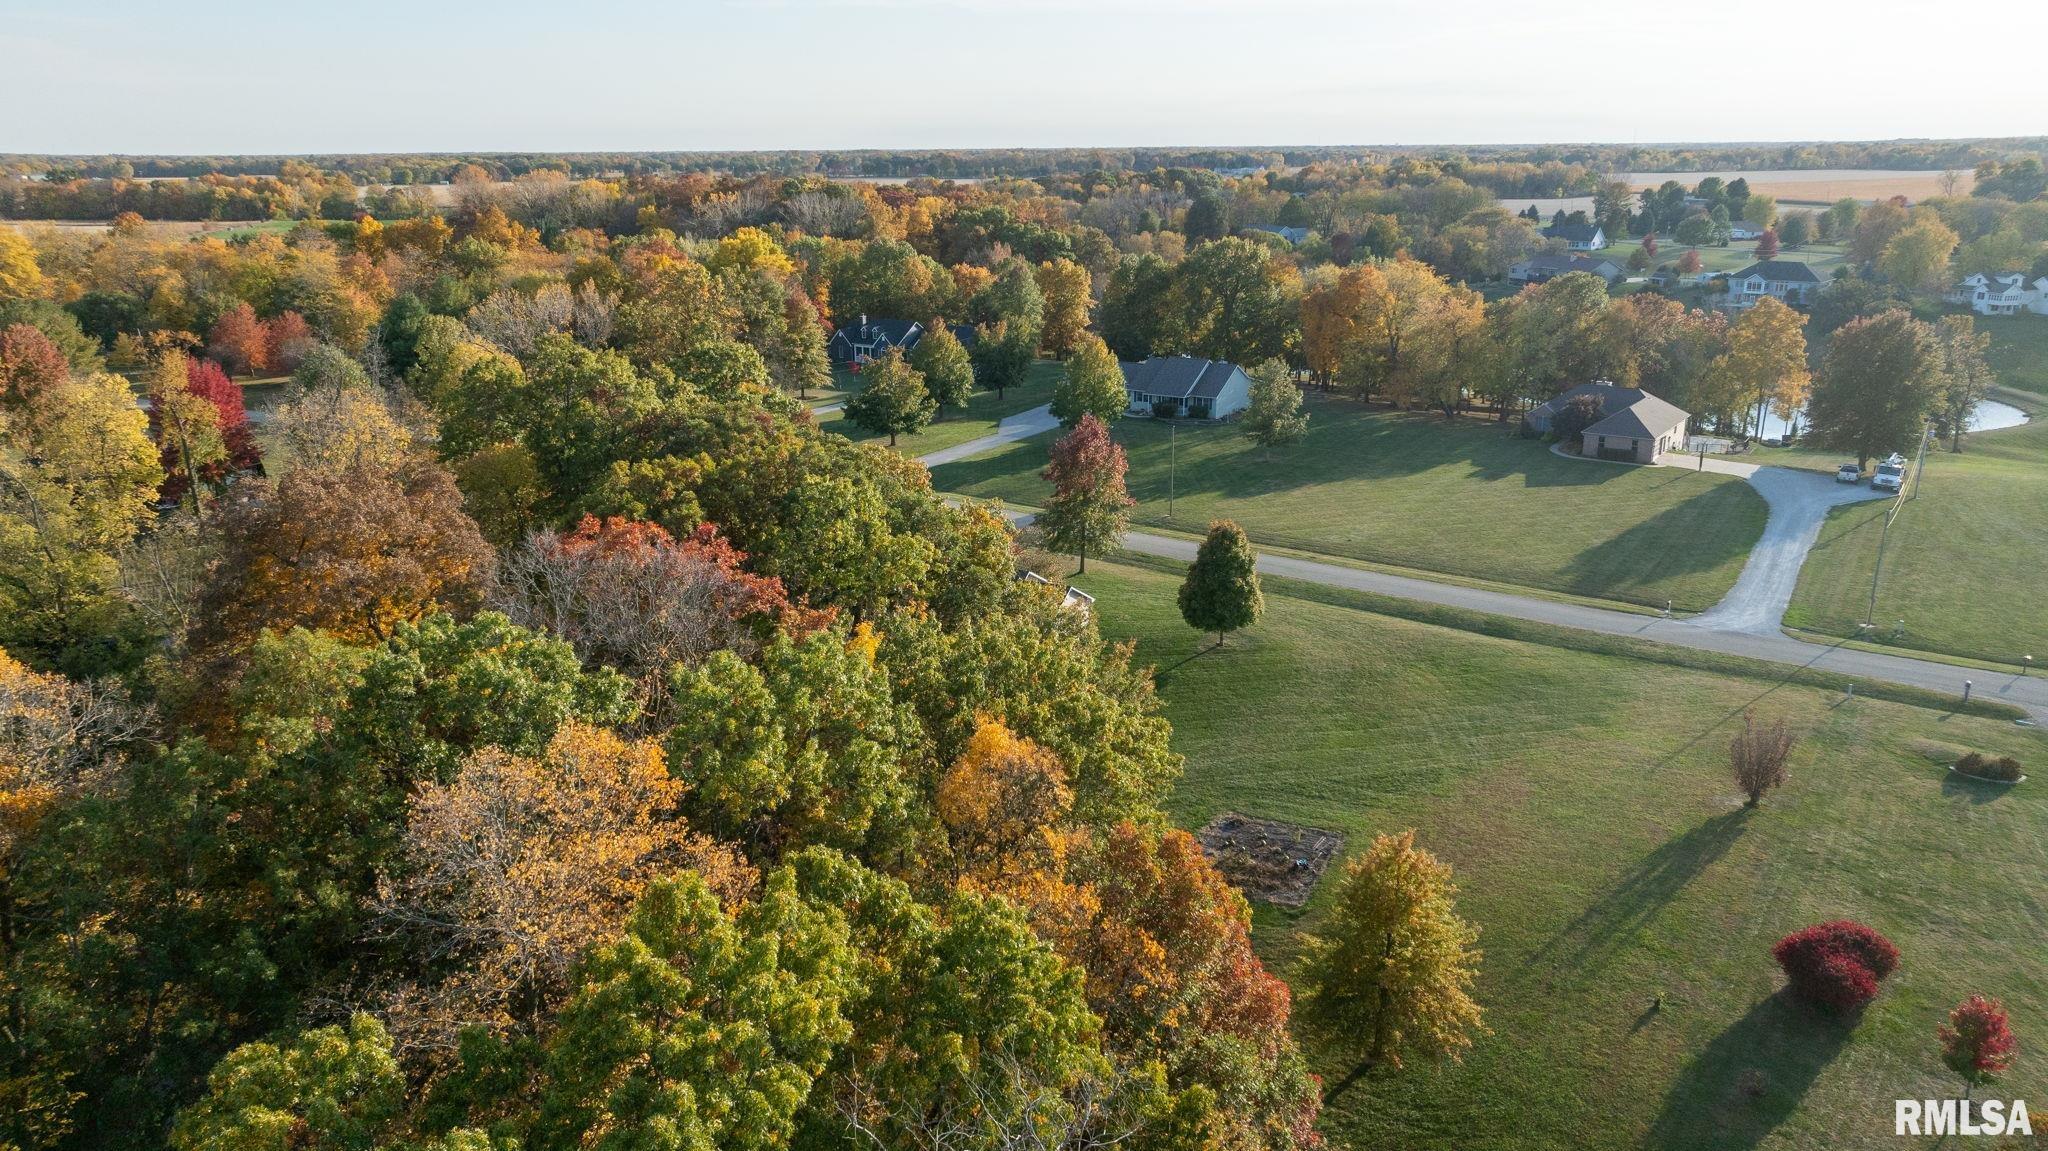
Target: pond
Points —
{"points": [[1987, 416]]}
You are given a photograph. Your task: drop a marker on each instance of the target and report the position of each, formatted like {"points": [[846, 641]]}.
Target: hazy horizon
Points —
{"points": [[239, 77]]}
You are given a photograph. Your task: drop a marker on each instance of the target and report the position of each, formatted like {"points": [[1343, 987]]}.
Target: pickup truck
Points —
{"points": [[1891, 473], [1849, 474]]}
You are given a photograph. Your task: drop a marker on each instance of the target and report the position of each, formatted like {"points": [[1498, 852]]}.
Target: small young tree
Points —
{"points": [[1275, 415], [1689, 263], [892, 398], [1767, 245], [1650, 245], [1977, 1041], [1758, 754], [942, 361], [1221, 593], [1639, 260], [1393, 966], [1089, 507], [1002, 354], [1093, 385]]}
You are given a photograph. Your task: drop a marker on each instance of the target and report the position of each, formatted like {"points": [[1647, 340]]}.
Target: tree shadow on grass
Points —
{"points": [[1750, 1078], [1680, 540], [1603, 930]]}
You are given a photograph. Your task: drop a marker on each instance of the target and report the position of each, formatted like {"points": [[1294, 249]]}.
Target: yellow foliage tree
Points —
{"points": [[1003, 804], [1066, 288], [1766, 356]]}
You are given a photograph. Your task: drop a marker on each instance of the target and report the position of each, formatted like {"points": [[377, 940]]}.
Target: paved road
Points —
{"points": [[1021, 426], [1703, 632]]}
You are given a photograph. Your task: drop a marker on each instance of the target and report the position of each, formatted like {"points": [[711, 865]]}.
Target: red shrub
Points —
{"points": [[1836, 965]]}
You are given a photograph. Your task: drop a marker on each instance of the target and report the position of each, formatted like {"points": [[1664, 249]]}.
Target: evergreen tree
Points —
{"points": [[1089, 507], [948, 373], [1275, 415], [1093, 385], [892, 399], [1221, 593]]}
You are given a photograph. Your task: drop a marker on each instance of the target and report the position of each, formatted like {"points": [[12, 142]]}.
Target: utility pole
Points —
{"points": [[1920, 462]]}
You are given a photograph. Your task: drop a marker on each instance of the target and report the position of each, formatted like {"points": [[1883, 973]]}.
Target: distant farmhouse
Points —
{"points": [[1744, 230], [1187, 386], [1291, 235], [1786, 281], [1577, 237], [1550, 265], [869, 339], [1634, 425], [2004, 294]]}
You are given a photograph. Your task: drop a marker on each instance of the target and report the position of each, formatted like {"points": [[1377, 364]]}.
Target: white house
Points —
{"points": [[1577, 237], [1185, 385], [1787, 281], [2004, 294], [1744, 230]]}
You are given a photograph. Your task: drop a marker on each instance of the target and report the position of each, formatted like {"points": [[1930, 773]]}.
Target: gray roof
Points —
{"points": [[1783, 271], [1647, 416], [1291, 235], [1613, 398], [1569, 232], [1184, 376]]}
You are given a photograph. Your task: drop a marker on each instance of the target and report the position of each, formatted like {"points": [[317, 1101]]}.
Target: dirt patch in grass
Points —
{"points": [[1271, 861]]}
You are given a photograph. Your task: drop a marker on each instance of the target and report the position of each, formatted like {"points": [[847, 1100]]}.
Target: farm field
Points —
{"points": [[1598, 844], [1466, 499], [1821, 185], [1965, 560], [984, 410]]}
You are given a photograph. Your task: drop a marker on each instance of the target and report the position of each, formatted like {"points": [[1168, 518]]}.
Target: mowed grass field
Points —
{"points": [[1465, 498], [2019, 351], [1967, 563], [956, 426], [1598, 843]]}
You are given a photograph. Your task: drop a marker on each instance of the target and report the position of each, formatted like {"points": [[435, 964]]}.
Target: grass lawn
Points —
{"points": [[2019, 351], [1967, 563], [984, 410], [1822, 258], [1584, 803], [1412, 490]]}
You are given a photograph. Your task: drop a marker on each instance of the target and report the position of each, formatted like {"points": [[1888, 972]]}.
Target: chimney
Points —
{"points": [[863, 319]]}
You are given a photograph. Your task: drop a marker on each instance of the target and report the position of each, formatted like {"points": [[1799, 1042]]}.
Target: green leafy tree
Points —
{"points": [[1003, 356], [1275, 416], [1221, 593], [1092, 385], [1089, 507], [1879, 383], [700, 1029], [1014, 301], [332, 1088], [1233, 300], [1392, 965], [892, 399], [947, 370], [1966, 376]]}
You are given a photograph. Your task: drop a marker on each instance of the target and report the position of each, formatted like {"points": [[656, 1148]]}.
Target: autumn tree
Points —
{"points": [[1392, 966], [1966, 376], [1977, 1041], [1065, 287], [1689, 262], [1335, 313], [1003, 804], [1766, 355], [947, 370], [1221, 592], [1880, 381], [20, 277], [1089, 507], [892, 399], [239, 342], [518, 865], [628, 595], [1758, 754], [1233, 300], [1275, 416], [31, 370], [1091, 384], [76, 484], [187, 429], [351, 552]]}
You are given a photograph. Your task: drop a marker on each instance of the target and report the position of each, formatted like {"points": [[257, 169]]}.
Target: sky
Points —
{"points": [[238, 76]]}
